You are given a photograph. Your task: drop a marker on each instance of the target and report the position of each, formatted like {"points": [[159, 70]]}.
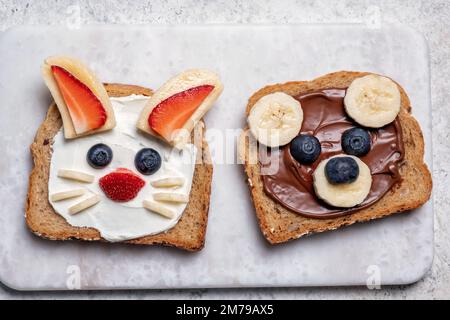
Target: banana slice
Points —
{"points": [[85, 204], [342, 195], [168, 182], [66, 195], [373, 101], [159, 209], [76, 175], [275, 119], [171, 197], [87, 77]]}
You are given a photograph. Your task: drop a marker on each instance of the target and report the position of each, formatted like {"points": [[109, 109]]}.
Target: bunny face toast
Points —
{"points": [[104, 179]]}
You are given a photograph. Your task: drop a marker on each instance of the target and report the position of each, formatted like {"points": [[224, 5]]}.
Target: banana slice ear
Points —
{"points": [[173, 110], [275, 119], [373, 101], [81, 98]]}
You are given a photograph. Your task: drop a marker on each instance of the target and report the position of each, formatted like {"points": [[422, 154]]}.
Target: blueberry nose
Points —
{"points": [[341, 170]]}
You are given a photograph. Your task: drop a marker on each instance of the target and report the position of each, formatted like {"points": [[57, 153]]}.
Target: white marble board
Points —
{"points": [[236, 254]]}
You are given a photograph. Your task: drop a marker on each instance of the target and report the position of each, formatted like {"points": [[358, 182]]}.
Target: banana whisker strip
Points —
{"points": [[76, 175], [171, 197], [159, 209], [59, 196], [85, 204], [168, 182]]}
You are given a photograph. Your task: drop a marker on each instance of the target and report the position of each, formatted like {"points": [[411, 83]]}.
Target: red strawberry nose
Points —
{"points": [[121, 185]]}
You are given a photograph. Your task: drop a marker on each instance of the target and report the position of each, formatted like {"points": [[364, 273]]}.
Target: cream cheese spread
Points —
{"points": [[129, 220]]}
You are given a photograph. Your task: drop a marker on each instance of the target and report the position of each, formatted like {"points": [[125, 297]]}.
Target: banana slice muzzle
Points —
{"points": [[342, 195]]}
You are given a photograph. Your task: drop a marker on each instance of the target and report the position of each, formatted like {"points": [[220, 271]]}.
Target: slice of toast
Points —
{"points": [[279, 224], [188, 233]]}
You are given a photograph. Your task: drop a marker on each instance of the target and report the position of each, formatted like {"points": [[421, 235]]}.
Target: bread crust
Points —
{"points": [[42, 220], [279, 224]]}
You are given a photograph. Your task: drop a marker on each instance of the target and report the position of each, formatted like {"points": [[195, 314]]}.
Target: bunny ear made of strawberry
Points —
{"points": [[173, 110], [81, 98]]}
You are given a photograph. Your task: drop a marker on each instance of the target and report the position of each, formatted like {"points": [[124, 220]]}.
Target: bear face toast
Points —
{"points": [[297, 184], [353, 157]]}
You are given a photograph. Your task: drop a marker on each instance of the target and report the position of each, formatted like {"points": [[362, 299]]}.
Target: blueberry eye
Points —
{"points": [[147, 161], [356, 142], [99, 156], [305, 148]]}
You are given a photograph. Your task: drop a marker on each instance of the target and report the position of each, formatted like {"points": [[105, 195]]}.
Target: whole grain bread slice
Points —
{"points": [[279, 224], [42, 220]]}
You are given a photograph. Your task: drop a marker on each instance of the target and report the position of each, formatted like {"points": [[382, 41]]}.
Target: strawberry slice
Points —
{"points": [[85, 109], [121, 185], [172, 113]]}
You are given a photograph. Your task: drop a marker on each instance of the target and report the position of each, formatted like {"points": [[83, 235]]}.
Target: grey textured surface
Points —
{"points": [[235, 254], [428, 17]]}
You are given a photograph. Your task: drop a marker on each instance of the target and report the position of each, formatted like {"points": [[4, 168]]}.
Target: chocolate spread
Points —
{"points": [[324, 116]]}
